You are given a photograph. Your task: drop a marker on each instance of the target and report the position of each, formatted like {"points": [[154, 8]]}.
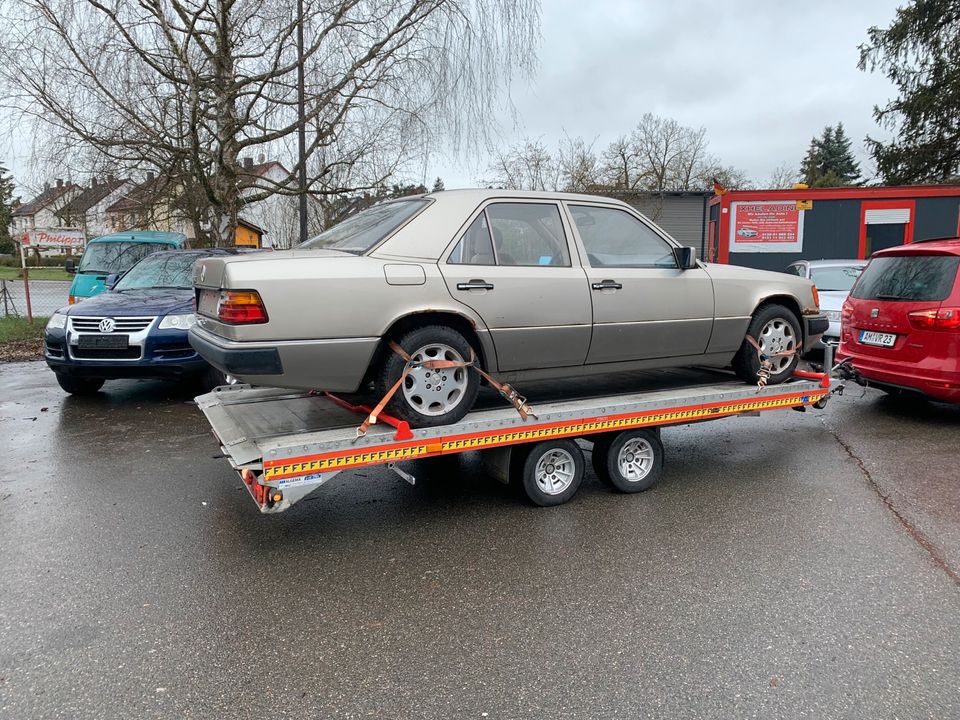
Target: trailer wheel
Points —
{"points": [[598, 456], [632, 461], [552, 472]]}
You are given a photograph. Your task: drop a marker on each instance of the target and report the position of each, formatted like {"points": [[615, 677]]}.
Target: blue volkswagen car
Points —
{"points": [[137, 329]]}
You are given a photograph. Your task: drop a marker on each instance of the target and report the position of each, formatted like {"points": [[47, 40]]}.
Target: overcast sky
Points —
{"points": [[762, 76]]}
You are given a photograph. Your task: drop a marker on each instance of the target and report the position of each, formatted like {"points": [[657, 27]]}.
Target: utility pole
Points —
{"points": [[301, 130]]}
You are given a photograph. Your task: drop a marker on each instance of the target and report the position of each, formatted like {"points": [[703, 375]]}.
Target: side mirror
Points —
{"points": [[70, 267], [112, 280], [686, 257]]}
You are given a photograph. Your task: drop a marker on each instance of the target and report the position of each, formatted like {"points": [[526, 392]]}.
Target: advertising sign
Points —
{"points": [[766, 226], [53, 237]]}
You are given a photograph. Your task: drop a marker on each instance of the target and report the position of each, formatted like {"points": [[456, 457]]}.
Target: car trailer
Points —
{"points": [[287, 444]]}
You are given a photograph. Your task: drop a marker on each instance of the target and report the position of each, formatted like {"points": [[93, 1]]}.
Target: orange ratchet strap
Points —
{"points": [[507, 392]]}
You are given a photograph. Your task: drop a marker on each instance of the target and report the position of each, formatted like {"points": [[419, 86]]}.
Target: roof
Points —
{"points": [[939, 246], [140, 196], [142, 236], [90, 197], [479, 195], [839, 262], [48, 196], [252, 226]]}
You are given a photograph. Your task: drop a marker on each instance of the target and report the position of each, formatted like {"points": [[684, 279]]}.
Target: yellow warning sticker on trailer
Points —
{"points": [[409, 450]]}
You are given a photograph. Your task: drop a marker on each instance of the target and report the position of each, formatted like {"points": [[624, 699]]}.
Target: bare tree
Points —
{"points": [[188, 87], [528, 166], [783, 177], [578, 165], [660, 154]]}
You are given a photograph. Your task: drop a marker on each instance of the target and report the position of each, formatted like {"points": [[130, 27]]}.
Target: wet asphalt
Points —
{"points": [[788, 566]]}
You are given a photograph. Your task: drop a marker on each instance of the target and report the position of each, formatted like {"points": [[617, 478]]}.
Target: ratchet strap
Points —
{"points": [[766, 362], [507, 392]]}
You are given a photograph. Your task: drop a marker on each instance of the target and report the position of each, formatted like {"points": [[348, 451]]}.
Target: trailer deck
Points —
{"points": [[287, 444]]}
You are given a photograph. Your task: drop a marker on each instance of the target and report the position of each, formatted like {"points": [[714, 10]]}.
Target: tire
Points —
{"points": [[784, 334], [632, 462], [211, 378], [421, 400], [552, 472], [79, 385], [598, 456]]}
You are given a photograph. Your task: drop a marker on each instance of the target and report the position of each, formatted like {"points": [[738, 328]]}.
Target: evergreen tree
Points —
{"points": [[6, 211], [438, 186], [829, 161], [920, 53]]}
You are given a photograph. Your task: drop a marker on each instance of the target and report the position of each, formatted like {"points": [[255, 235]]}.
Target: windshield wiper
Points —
{"points": [[890, 297]]}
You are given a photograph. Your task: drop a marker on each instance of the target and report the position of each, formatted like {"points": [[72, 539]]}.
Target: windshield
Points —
{"points": [[835, 278], [103, 258], [162, 270], [361, 232], [908, 277]]}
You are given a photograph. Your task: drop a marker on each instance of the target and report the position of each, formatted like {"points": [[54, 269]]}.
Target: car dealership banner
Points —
{"points": [[53, 238], [768, 226]]}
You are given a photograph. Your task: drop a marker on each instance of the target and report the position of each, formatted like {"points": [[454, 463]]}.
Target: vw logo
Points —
{"points": [[107, 325]]}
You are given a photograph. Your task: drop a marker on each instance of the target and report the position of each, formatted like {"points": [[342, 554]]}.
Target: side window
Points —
{"points": [[795, 270], [615, 238], [528, 234], [474, 247]]}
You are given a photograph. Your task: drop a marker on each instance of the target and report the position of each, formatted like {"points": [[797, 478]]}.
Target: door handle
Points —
{"points": [[607, 285], [475, 285]]}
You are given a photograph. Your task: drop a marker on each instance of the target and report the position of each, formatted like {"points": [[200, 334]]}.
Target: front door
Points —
{"points": [[512, 266], [644, 305]]}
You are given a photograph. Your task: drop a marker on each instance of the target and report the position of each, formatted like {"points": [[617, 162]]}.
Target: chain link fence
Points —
{"points": [[46, 297]]}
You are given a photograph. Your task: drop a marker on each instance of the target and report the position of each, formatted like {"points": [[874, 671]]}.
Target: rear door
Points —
{"points": [[514, 267], [889, 289], [644, 305]]}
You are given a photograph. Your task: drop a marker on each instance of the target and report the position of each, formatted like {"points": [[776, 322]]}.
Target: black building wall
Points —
{"points": [[936, 217]]}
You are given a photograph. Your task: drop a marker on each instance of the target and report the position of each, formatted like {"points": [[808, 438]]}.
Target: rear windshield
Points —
{"points": [[163, 270], [361, 232], [835, 277], [908, 277], [102, 258]]}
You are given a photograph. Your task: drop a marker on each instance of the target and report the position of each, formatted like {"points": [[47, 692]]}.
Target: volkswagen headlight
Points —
{"points": [[58, 321], [178, 322]]}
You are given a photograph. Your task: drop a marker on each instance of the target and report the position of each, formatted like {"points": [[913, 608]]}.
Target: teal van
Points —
{"points": [[116, 253]]}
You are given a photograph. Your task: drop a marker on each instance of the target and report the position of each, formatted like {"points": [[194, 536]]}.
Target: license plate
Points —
{"points": [[208, 302], [868, 337], [103, 342]]}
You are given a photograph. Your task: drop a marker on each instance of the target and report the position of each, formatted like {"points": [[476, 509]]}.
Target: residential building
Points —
{"points": [[41, 212], [88, 210], [151, 205]]}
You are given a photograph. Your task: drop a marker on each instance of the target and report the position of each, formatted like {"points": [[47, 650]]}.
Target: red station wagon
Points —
{"points": [[901, 322]]}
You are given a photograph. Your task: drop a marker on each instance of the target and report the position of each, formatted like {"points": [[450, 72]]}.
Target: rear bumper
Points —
{"points": [[941, 385], [335, 365]]}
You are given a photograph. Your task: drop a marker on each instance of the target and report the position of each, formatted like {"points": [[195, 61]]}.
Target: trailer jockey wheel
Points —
{"points": [[631, 461], [552, 471]]}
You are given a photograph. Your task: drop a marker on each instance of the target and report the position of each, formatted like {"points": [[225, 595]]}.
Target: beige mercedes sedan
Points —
{"points": [[533, 285]]}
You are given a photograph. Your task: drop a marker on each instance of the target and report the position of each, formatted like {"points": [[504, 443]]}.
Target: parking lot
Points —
{"points": [[790, 565]]}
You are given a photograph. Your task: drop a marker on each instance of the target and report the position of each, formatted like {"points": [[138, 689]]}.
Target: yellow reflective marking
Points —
{"points": [[510, 437]]}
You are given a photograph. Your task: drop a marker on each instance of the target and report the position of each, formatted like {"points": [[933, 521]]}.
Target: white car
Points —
{"points": [[834, 279], [747, 232]]}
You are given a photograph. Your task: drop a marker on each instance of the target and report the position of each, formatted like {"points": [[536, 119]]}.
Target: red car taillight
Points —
{"points": [[241, 307], [934, 319]]}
